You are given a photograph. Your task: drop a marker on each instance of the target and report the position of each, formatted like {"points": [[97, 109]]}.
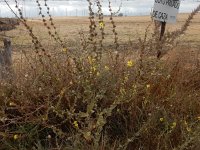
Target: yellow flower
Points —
{"points": [[91, 60], [93, 69], [64, 50], [188, 129], [168, 76], [161, 119], [130, 63], [75, 124], [173, 125], [12, 104], [45, 118], [101, 24], [198, 118], [106, 68], [87, 136], [185, 122], [148, 86], [126, 78], [15, 137]]}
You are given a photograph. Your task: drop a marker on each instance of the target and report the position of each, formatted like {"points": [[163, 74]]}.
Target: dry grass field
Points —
{"points": [[128, 29]]}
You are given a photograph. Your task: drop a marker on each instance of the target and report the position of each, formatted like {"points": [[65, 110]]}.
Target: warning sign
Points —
{"points": [[166, 10]]}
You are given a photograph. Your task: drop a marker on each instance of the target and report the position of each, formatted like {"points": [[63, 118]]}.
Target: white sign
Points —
{"points": [[166, 10]]}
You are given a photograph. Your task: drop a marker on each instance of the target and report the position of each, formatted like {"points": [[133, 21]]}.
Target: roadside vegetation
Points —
{"points": [[118, 96]]}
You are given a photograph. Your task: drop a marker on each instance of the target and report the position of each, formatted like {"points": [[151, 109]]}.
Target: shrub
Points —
{"points": [[98, 98]]}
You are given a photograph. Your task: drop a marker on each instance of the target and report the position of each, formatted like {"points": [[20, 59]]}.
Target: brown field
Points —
{"points": [[128, 29]]}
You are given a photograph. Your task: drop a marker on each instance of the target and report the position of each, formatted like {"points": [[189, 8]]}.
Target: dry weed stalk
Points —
{"points": [[93, 33], [54, 35], [35, 40], [174, 35], [101, 26], [170, 37], [114, 26]]}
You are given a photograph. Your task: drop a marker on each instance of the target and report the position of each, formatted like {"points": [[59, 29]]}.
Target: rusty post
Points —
{"points": [[162, 31]]}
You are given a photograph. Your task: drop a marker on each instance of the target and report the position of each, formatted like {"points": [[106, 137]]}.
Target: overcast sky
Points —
{"points": [[80, 8]]}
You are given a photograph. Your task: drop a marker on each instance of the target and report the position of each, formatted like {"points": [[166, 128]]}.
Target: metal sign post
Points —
{"points": [[162, 31], [165, 11]]}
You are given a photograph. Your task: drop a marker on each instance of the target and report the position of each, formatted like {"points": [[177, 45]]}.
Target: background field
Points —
{"points": [[128, 29]]}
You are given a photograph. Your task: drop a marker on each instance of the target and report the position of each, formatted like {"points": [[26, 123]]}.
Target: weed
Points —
{"points": [[98, 98]]}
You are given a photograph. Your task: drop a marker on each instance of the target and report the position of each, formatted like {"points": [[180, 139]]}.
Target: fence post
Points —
{"points": [[5, 57]]}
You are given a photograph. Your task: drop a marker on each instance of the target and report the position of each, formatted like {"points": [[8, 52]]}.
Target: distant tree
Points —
{"points": [[121, 14]]}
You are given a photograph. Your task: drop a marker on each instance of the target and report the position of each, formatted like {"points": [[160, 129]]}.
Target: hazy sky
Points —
{"points": [[80, 8]]}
